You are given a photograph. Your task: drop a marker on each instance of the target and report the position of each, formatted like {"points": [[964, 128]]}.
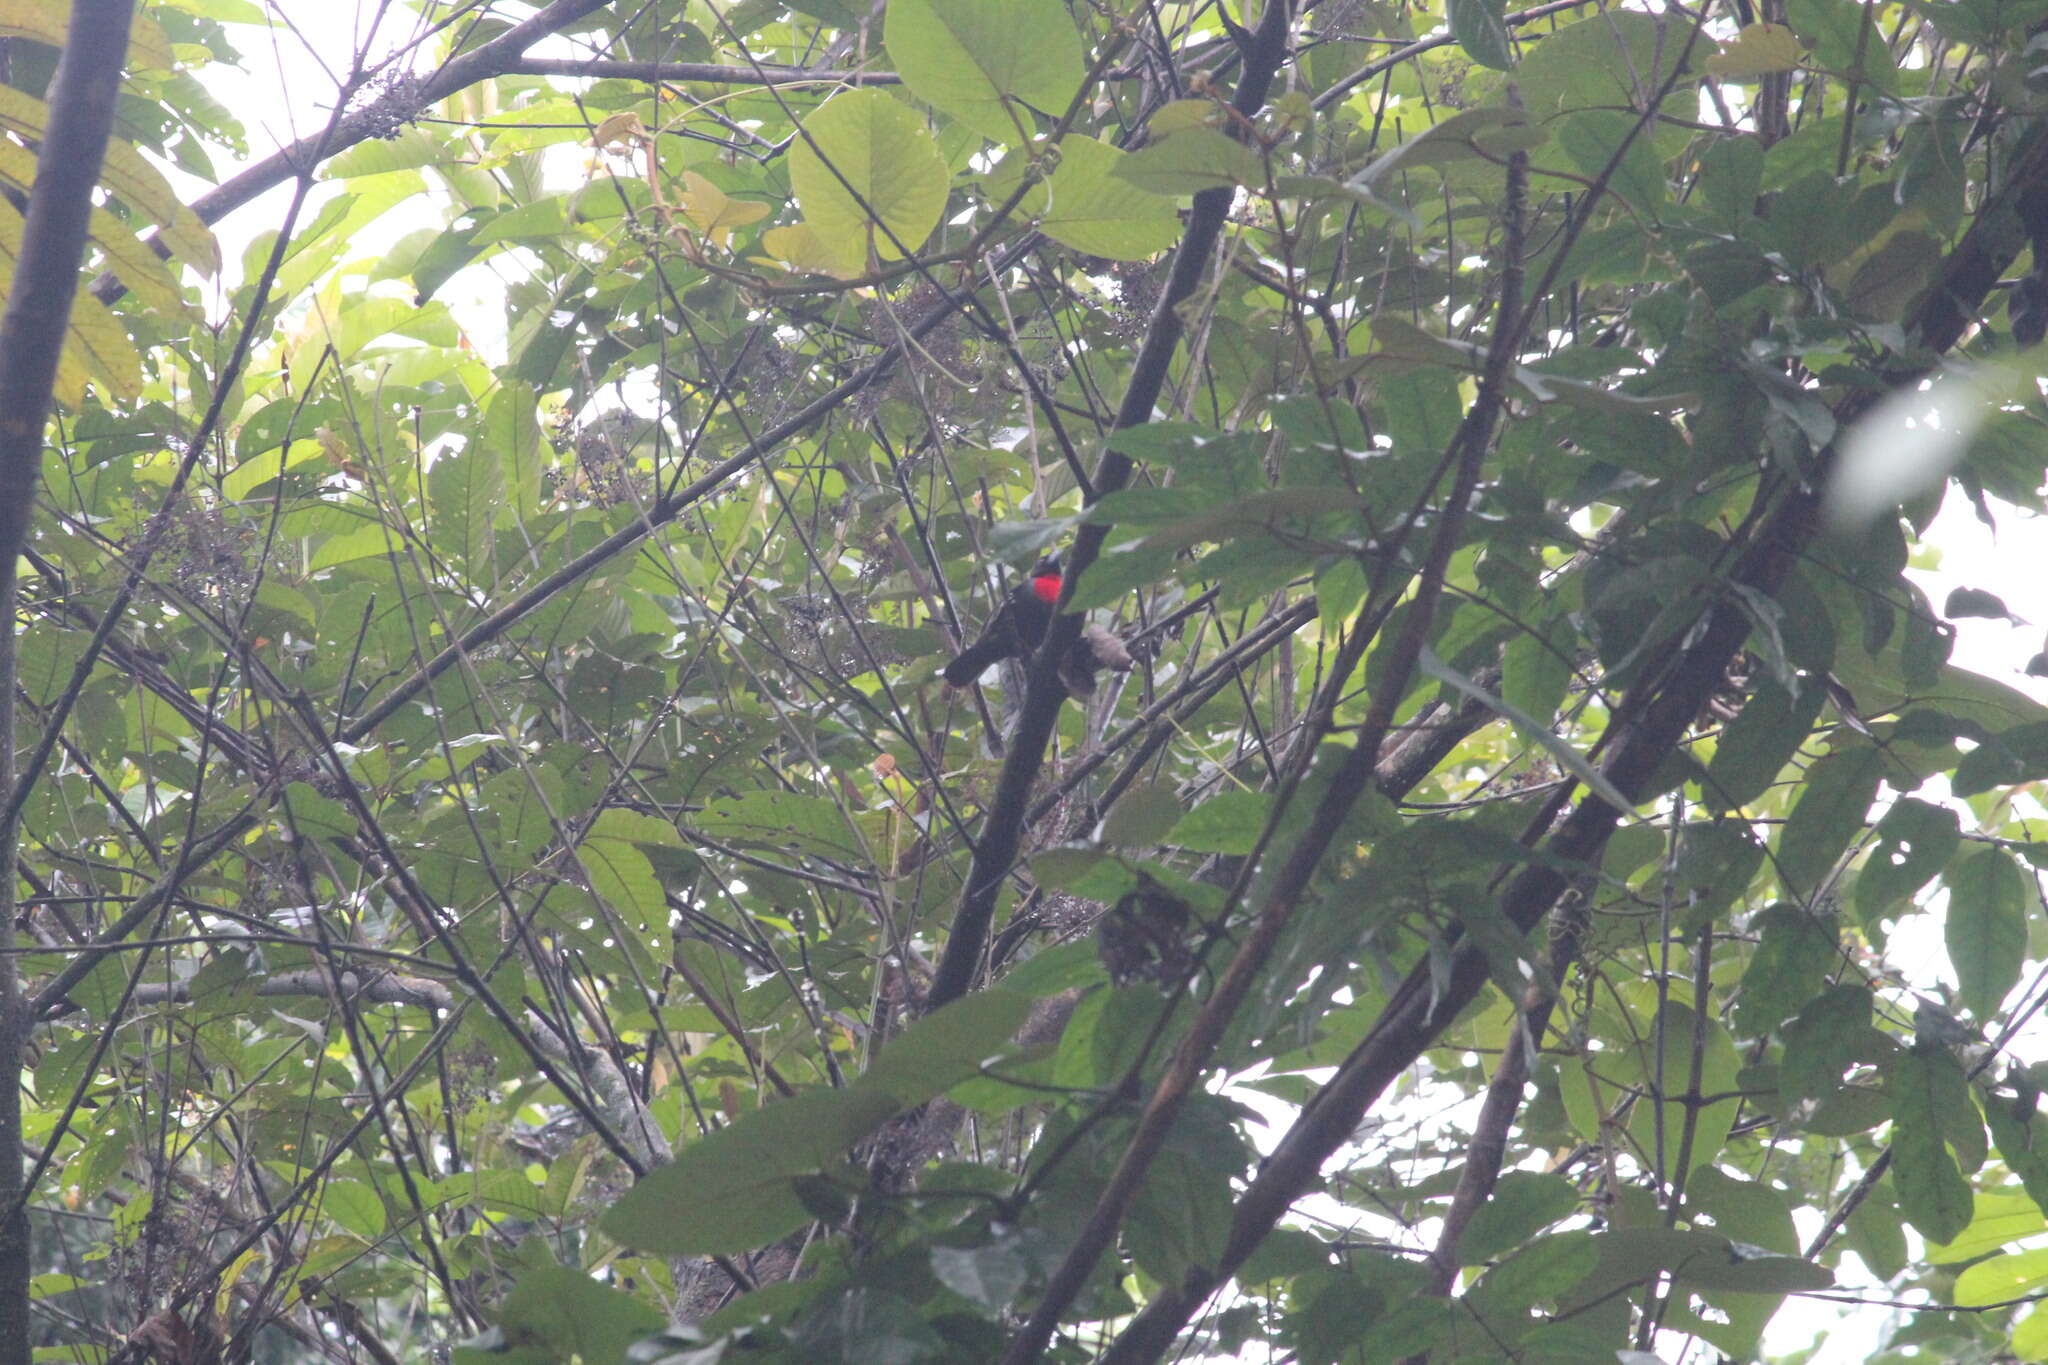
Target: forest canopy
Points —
{"points": [[1019, 680]]}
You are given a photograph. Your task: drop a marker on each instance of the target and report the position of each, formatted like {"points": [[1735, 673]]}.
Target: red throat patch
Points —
{"points": [[1047, 588]]}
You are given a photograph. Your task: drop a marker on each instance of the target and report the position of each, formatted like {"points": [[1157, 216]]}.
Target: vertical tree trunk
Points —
{"points": [[32, 330]]}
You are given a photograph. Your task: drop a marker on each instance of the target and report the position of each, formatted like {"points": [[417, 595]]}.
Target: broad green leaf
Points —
{"points": [[781, 820], [972, 58], [868, 176], [1999, 1219], [755, 1161], [1470, 133], [1226, 823], [1142, 816], [752, 1164], [1795, 952], [139, 268], [1523, 1204], [1709, 1123], [1915, 841], [1835, 27], [355, 1206], [2003, 1278], [512, 432], [1610, 61], [1090, 207], [1760, 741], [1190, 162], [127, 174], [1833, 802], [1603, 142], [1536, 670], [621, 874], [1934, 1196], [989, 1275], [563, 1311], [1829, 1035], [947, 1046], [1481, 31], [2022, 1140], [46, 21], [1986, 927], [1540, 1272], [1757, 50], [465, 492], [1749, 1211]]}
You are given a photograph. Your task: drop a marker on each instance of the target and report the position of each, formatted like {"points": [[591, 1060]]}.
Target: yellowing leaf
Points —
{"points": [[715, 213], [1758, 50], [625, 127], [864, 169], [96, 346], [1177, 116], [797, 246], [46, 21], [137, 183]]}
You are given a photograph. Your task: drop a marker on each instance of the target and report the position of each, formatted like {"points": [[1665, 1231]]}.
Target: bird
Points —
{"points": [[1017, 628]]}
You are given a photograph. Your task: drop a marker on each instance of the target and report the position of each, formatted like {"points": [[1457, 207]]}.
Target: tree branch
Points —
{"points": [[1648, 723], [1002, 832]]}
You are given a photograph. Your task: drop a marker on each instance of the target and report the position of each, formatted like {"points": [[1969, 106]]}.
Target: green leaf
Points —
{"points": [[970, 59], [1536, 670], [465, 492], [512, 431], [1831, 1034], [1523, 1204], [355, 1206], [1191, 161], [947, 1046], [1597, 139], [1915, 840], [2002, 1279], [1482, 32], [1090, 207], [1986, 927], [781, 820], [1229, 822], [1832, 805], [316, 816], [752, 1164], [564, 1311], [1142, 816], [1540, 1272], [868, 175], [1999, 1219], [1760, 741], [1933, 1194], [2006, 759], [866, 1325], [2022, 1141], [989, 1275], [1795, 953]]}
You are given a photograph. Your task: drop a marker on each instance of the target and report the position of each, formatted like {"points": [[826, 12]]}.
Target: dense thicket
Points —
{"points": [[499, 870]]}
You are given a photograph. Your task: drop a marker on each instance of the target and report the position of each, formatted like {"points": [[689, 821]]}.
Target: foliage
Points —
{"points": [[499, 871]]}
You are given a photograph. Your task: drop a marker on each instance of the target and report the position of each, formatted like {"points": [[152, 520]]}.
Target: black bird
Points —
{"points": [[1017, 628]]}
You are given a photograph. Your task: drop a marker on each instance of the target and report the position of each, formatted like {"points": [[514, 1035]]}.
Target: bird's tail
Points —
{"points": [[971, 662]]}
